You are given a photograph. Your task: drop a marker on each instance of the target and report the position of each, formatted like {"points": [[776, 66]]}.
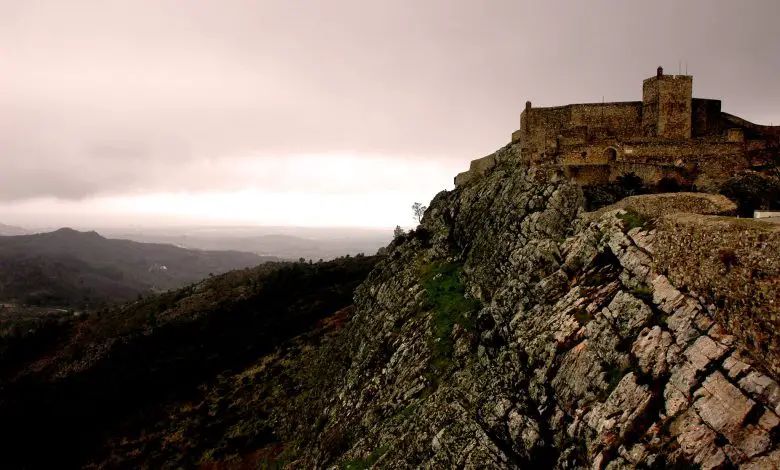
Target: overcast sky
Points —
{"points": [[337, 112]]}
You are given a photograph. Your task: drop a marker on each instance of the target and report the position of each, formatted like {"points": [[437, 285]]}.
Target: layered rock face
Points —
{"points": [[571, 348]]}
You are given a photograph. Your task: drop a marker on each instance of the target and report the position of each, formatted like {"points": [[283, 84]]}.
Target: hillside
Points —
{"points": [[85, 270], [512, 329], [115, 372]]}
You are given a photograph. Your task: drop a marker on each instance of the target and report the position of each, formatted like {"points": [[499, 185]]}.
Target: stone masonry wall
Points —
{"points": [[540, 127], [622, 118], [667, 106], [706, 117], [674, 112], [653, 160]]}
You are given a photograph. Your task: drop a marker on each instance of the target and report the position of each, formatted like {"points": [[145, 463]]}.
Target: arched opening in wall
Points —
{"points": [[610, 155]]}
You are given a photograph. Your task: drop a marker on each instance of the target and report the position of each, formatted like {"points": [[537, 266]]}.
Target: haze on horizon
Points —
{"points": [[310, 113]]}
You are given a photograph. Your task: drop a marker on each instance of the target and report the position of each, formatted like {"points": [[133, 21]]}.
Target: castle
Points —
{"points": [[667, 135]]}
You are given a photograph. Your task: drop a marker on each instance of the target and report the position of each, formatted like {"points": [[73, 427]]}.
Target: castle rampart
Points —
{"points": [[669, 134]]}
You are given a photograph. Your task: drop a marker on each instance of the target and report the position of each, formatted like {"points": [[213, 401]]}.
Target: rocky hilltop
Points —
{"points": [[511, 329]]}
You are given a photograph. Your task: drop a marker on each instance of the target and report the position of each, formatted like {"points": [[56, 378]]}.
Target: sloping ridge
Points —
{"points": [[71, 268], [580, 351]]}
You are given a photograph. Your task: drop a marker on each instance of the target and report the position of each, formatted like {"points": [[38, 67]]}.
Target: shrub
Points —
{"points": [[669, 185], [631, 184], [728, 257], [419, 211], [753, 191]]}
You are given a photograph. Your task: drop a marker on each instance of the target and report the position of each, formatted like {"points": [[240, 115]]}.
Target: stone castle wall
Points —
{"points": [[705, 118], [543, 129], [478, 167], [655, 160], [669, 134], [659, 152]]}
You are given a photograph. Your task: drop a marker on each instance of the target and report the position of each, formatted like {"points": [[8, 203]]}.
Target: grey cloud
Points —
{"points": [[104, 97]]}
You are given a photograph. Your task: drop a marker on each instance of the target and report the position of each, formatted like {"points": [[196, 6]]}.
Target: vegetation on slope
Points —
{"points": [[446, 296], [122, 367]]}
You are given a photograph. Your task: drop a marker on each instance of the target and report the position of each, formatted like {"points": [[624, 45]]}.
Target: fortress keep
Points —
{"points": [[669, 134]]}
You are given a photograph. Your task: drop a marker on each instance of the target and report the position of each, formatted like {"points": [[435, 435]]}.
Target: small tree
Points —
{"points": [[419, 211], [398, 232]]}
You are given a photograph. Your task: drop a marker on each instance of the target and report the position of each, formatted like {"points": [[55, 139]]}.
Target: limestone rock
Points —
{"points": [[723, 406], [585, 353], [703, 351], [651, 348]]}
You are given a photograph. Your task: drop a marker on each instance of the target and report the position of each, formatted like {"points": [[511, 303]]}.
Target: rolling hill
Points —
{"points": [[86, 270]]}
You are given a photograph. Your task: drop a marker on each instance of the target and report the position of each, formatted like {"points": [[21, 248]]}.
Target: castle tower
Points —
{"points": [[667, 106]]}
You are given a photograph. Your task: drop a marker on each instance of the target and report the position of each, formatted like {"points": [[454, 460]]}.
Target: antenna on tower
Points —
{"points": [[686, 67], [602, 108], [679, 67]]}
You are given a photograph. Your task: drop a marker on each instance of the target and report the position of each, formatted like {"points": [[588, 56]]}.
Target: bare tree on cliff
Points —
{"points": [[419, 211]]}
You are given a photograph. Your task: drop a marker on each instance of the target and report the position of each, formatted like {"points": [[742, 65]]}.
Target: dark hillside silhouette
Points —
{"points": [[71, 382]]}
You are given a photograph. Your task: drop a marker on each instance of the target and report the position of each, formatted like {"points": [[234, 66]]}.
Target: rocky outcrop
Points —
{"points": [[572, 342]]}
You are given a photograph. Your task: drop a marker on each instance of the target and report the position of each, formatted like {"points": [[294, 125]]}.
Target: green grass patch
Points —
{"points": [[632, 219], [446, 296], [369, 461]]}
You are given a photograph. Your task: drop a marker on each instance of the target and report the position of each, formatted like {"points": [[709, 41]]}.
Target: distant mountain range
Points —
{"points": [[309, 244], [6, 230], [84, 269]]}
